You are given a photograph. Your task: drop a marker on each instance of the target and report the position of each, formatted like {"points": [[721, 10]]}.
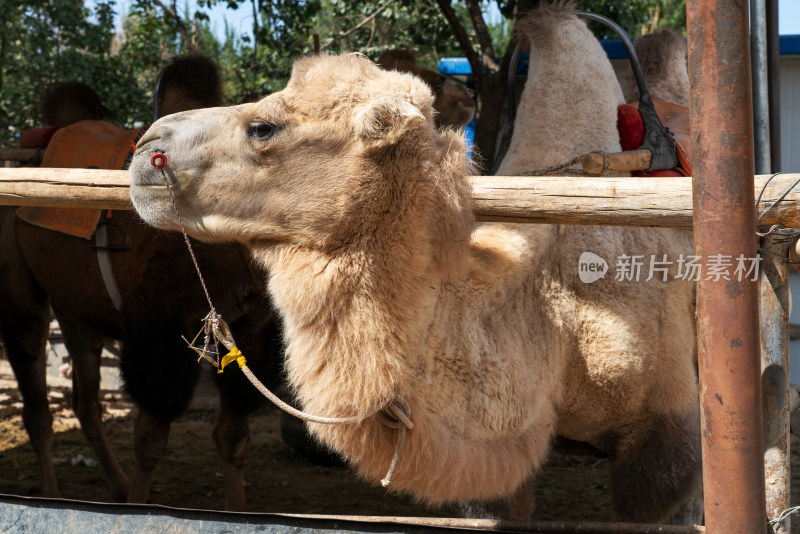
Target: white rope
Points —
{"points": [[400, 416], [395, 415], [294, 411], [784, 515]]}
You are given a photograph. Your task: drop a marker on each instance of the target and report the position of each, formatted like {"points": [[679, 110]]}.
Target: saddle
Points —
{"points": [[88, 144], [676, 120]]}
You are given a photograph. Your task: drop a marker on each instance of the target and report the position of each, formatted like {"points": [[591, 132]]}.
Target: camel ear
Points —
{"points": [[387, 120]]}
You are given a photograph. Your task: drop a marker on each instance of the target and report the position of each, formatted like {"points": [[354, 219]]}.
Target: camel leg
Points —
{"points": [[517, 506], [692, 511], [25, 347], [656, 467], [85, 349], [150, 437], [232, 438], [24, 325]]}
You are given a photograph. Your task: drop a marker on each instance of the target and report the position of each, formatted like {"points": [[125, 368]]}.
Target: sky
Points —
{"points": [[789, 17], [241, 20]]}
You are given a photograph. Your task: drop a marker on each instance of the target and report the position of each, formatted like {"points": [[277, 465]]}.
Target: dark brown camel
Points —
{"points": [[162, 299]]}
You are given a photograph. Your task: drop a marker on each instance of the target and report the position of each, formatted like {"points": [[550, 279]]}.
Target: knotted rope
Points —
{"points": [[396, 414], [568, 167]]}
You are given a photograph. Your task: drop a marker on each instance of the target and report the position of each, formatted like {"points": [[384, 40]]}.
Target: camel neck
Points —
{"points": [[350, 319]]}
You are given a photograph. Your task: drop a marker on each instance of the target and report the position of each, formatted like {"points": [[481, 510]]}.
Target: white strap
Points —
{"points": [[104, 261]]}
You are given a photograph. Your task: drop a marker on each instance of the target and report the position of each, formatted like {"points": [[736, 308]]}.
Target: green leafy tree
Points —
{"points": [[373, 27], [260, 62], [152, 33], [45, 41]]}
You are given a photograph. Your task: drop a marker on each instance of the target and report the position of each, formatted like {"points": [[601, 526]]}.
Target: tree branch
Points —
{"points": [[482, 33], [181, 26], [463, 39], [256, 27], [357, 26]]}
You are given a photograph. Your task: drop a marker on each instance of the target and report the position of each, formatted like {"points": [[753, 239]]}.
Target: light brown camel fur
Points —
{"points": [[662, 55], [553, 126], [545, 120], [453, 102], [359, 210]]}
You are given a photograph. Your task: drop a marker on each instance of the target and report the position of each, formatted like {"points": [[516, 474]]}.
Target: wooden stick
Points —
{"points": [[621, 201], [77, 188], [629, 160], [20, 154]]}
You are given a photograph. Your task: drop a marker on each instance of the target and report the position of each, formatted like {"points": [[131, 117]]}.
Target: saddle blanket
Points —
{"points": [[88, 144]]}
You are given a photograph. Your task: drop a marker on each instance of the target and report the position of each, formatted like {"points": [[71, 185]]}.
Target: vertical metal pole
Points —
{"points": [[774, 58], [774, 286], [724, 214], [758, 53]]}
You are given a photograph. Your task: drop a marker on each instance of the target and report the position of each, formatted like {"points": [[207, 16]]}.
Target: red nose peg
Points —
{"points": [[159, 161]]}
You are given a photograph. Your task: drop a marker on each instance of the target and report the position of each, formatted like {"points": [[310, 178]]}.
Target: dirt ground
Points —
{"points": [[278, 478]]}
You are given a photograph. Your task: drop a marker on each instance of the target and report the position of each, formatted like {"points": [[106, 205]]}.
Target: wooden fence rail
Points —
{"points": [[623, 201], [21, 154]]}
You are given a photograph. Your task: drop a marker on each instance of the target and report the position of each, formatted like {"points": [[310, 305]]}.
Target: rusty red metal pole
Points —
{"points": [[728, 323]]}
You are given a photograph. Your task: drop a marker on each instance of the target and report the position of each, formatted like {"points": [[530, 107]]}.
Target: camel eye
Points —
{"points": [[262, 130]]}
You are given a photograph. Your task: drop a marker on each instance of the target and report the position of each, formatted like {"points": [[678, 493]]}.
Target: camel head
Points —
{"points": [[455, 104], [316, 164]]}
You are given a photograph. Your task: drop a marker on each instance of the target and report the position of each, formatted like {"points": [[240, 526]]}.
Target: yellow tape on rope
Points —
{"points": [[233, 355]]}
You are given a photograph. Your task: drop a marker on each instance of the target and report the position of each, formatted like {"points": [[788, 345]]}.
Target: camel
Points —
{"points": [[391, 297], [189, 81], [453, 102], [72, 101], [454, 106], [158, 369], [546, 119], [543, 101], [662, 55]]}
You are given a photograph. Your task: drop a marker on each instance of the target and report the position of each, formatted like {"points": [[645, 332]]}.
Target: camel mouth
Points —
{"points": [[145, 173], [149, 187]]}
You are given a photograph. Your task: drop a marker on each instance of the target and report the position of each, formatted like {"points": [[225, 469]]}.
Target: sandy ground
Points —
{"points": [[278, 478]]}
